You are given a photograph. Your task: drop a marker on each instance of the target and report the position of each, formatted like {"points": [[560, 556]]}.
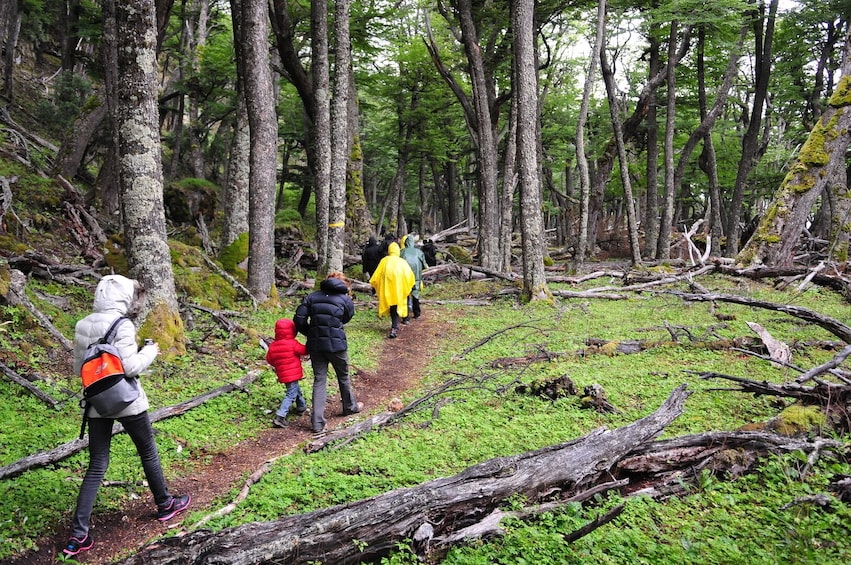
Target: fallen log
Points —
{"points": [[832, 325], [442, 506], [34, 390], [52, 456], [17, 296]]}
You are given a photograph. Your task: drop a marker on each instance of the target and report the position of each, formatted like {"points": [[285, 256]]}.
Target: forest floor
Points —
{"points": [[399, 370]]}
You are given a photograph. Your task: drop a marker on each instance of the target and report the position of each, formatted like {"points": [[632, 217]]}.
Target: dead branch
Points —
{"points": [[487, 338], [225, 275], [221, 317], [17, 296], [822, 394], [34, 390], [778, 351], [826, 367], [832, 325], [52, 456]]}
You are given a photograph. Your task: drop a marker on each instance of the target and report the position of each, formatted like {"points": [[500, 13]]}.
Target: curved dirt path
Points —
{"points": [[399, 370]]}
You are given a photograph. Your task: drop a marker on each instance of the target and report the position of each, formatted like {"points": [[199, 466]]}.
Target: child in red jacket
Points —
{"points": [[285, 354]]}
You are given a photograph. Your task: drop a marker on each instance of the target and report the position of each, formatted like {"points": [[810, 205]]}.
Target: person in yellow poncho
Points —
{"points": [[393, 280]]}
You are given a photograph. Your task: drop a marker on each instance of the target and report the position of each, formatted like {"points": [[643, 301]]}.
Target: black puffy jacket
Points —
{"points": [[321, 316]]}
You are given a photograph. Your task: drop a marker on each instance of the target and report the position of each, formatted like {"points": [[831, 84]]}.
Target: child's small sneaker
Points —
{"points": [[176, 505], [75, 546], [279, 422]]}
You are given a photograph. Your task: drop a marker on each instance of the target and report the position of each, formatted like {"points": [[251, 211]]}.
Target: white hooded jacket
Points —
{"points": [[114, 297]]}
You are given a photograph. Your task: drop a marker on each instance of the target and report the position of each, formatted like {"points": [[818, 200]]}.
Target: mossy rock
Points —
{"points": [[799, 420], [234, 253], [187, 199], [459, 254]]}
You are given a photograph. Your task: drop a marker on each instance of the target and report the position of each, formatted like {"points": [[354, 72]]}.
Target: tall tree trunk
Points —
{"points": [[320, 73], [775, 239], [617, 126], [339, 136], [663, 248], [750, 141], [509, 182], [13, 30], [235, 201], [256, 76], [581, 158], [135, 120], [486, 145], [77, 137], [651, 198], [528, 132], [358, 216]]}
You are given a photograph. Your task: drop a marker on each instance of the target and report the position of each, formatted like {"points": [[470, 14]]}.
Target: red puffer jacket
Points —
{"points": [[285, 352]]}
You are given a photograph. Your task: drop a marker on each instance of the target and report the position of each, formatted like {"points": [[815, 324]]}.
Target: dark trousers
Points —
{"points": [[320, 360], [139, 429]]}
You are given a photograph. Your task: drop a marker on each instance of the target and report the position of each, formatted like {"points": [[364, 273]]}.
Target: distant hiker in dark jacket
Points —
{"points": [[385, 244], [117, 296], [430, 252], [285, 355], [371, 256], [321, 317]]}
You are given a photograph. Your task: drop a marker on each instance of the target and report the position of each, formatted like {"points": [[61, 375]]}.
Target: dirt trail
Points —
{"points": [[400, 369]]}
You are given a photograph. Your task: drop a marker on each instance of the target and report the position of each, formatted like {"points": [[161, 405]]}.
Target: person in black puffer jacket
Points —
{"points": [[321, 317]]}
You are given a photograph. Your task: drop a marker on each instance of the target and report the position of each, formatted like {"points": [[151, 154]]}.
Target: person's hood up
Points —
{"points": [[393, 249], [115, 293], [334, 285], [372, 240], [285, 329], [409, 241]]}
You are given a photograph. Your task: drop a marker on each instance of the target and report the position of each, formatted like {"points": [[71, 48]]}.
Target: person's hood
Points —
{"points": [[334, 285], [284, 329], [115, 293], [372, 240], [393, 249], [409, 241]]}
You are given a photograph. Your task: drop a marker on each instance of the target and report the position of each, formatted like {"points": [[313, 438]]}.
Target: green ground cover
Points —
{"points": [[482, 416]]}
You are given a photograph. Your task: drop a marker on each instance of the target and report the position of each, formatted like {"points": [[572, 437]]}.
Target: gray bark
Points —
{"points": [[581, 157], [262, 120], [135, 118], [339, 136], [663, 247], [235, 198], [528, 162], [321, 127]]}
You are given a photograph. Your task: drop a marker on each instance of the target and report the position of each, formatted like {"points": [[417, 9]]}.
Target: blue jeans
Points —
{"points": [[293, 395], [320, 360], [139, 429]]}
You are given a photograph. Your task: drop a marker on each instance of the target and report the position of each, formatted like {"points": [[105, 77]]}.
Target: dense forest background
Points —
{"points": [[643, 130]]}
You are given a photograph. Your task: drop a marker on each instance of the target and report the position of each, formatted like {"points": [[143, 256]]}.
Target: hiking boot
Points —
{"points": [[75, 546], [319, 433], [279, 422], [176, 505], [350, 412], [394, 332], [406, 321], [301, 412]]}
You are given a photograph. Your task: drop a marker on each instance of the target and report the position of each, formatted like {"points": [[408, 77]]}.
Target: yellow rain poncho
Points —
{"points": [[393, 281]]}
